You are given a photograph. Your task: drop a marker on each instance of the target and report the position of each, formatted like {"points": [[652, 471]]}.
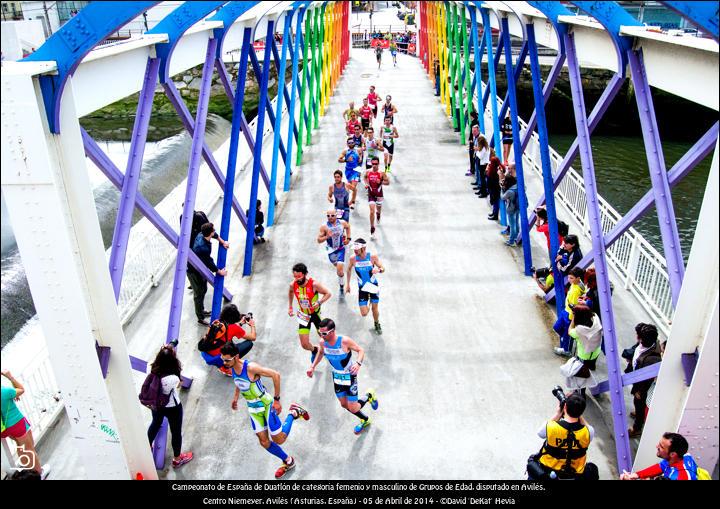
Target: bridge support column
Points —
{"points": [[622, 444], [257, 153]]}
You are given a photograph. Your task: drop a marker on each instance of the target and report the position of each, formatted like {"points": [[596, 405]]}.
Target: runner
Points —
{"points": [[338, 350], [359, 140], [336, 233], [352, 159], [352, 124], [365, 113], [373, 146], [389, 109], [306, 291], [378, 55], [347, 112], [393, 52], [389, 133], [374, 181], [373, 99], [338, 193], [264, 409], [366, 266]]}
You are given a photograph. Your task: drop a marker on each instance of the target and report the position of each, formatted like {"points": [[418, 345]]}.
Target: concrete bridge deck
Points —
{"points": [[464, 368]]}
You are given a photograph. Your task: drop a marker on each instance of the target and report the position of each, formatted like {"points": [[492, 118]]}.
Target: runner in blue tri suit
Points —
{"points": [[366, 265], [338, 350], [351, 156], [338, 194], [336, 233], [264, 409]]}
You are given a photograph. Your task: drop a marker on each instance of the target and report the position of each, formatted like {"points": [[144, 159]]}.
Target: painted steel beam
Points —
{"points": [[266, 106], [115, 176], [633, 377], [277, 60], [123, 221], [257, 154], [72, 41], [228, 14], [294, 55], [622, 444], [703, 15]]}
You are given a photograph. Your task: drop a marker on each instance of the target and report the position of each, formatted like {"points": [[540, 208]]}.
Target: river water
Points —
{"points": [[164, 167]]}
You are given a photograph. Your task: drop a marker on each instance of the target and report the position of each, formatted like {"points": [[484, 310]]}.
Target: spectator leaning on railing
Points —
{"points": [[676, 464]]}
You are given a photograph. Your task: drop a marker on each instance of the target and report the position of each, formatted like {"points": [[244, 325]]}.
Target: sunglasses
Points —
{"points": [[331, 217], [326, 333], [228, 361]]}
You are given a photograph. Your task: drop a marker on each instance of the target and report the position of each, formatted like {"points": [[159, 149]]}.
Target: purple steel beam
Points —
{"points": [[633, 377], [547, 91], [103, 353], [611, 90], [187, 119], [142, 366], [95, 153], [244, 126], [682, 168], [622, 443], [658, 174], [191, 190], [123, 221], [689, 363]]}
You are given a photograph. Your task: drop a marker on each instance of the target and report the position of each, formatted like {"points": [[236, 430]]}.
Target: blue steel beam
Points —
{"points": [[492, 89], [263, 77], [516, 74], [228, 14], [265, 106], [123, 221], [72, 41], [294, 55], [175, 25], [230, 175], [539, 98], [115, 176], [622, 444], [173, 331], [478, 49], [703, 15], [514, 115], [278, 115]]}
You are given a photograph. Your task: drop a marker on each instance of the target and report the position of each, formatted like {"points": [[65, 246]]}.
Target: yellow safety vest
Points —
{"points": [[555, 451]]}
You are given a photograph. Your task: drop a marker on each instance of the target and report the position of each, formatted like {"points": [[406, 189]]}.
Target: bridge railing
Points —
{"points": [[149, 256], [637, 264]]}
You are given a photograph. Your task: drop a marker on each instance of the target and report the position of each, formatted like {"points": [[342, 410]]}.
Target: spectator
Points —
{"points": [[167, 367], [545, 279], [563, 322], [567, 438], [512, 207], [17, 427], [493, 172], [507, 137], [651, 390], [542, 226], [228, 327], [676, 464], [202, 248], [472, 149], [568, 255], [259, 221], [586, 330], [482, 159], [436, 70], [646, 354]]}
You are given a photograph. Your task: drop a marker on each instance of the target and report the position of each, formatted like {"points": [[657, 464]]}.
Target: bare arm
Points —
{"points": [[386, 179], [319, 288], [346, 226], [395, 133], [236, 396], [256, 370], [290, 300], [376, 262], [353, 346], [341, 159], [318, 357], [331, 198], [348, 273], [19, 389], [323, 235], [252, 335]]}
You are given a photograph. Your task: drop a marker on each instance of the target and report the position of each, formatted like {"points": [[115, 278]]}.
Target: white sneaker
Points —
{"points": [[561, 352], [45, 471]]}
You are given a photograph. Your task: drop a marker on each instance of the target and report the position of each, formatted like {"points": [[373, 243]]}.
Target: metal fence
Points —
{"points": [[637, 264], [149, 257]]}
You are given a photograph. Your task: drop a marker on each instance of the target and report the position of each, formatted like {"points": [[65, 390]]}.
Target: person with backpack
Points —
{"points": [[159, 393], [227, 328]]}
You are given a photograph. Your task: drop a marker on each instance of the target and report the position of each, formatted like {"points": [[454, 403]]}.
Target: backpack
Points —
{"points": [[151, 395], [563, 228]]}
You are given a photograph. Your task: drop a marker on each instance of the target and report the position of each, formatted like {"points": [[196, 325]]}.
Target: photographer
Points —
{"points": [[544, 278], [227, 328], [567, 438]]}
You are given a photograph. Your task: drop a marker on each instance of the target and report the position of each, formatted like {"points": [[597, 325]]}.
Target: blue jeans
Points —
{"points": [[480, 177], [514, 223], [562, 326]]}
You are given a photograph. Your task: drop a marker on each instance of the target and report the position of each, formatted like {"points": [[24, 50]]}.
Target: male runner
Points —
{"points": [[336, 233], [366, 265], [393, 52], [264, 409], [365, 113], [359, 140], [378, 55], [348, 111], [389, 133], [352, 158], [338, 350], [338, 194], [373, 99], [374, 180], [373, 147], [306, 291], [389, 109]]}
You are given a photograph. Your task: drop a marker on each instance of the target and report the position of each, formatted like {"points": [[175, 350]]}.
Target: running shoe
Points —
{"points": [[185, 457], [225, 371], [372, 399], [301, 412], [372, 231], [362, 426], [342, 291], [285, 468], [378, 329]]}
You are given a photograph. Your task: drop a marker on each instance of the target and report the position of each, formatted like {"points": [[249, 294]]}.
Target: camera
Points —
{"points": [[542, 272], [174, 343], [246, 317], [559, 394]]}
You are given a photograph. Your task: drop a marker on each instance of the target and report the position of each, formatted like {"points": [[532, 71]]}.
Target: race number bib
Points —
{"points": [[370, 288], [303, 319], [341, 378]]}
